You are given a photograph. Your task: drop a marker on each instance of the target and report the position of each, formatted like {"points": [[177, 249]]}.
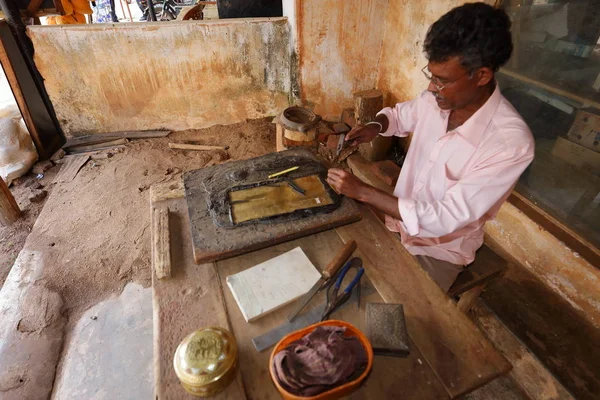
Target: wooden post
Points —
{"points": [[366, 106], [9, 210]]}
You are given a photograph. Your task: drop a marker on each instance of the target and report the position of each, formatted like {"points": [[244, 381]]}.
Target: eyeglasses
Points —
{"points": [[433, 79]]}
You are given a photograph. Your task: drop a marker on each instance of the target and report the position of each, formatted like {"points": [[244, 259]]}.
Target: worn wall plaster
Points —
{"points": [[338, 46], [173, 75]]}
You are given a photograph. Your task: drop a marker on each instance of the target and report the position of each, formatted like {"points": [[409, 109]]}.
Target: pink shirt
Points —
{"points": [[453, 182]]}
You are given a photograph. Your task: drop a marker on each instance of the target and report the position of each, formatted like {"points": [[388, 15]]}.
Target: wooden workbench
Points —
{"points": [[449, 355]]}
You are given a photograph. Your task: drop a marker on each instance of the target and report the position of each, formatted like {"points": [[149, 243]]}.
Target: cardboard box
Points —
{"points": [[577, 155], [586, 129]]}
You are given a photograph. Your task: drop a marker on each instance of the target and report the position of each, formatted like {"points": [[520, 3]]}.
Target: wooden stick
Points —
{"points": [[9, 209], [183, 146], [161, 245]]}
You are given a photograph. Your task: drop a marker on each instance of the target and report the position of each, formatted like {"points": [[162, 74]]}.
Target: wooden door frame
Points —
{"points": [[32, 101], [562, 232]]}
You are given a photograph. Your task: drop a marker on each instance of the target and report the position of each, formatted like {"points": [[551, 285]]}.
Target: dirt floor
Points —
{"points": [[28, 192], [94, 232]]}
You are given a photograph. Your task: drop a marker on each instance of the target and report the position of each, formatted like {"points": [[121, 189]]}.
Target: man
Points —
{"points": [[468, 149]]}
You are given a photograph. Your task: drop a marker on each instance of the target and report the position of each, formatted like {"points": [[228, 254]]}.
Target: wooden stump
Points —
{"points": [[366, 106], [9, 210]]}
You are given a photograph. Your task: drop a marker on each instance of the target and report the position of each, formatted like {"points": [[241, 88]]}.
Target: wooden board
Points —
{"points": [[392, 377], [70, 168], [213, 242], [191, 299], [272, 284], [459, 354]]}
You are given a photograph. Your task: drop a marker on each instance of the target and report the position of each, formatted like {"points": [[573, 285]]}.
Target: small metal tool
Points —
{"points": [[340, 144], [296, 188], [326, 279], [269, 338], [334, 301]]}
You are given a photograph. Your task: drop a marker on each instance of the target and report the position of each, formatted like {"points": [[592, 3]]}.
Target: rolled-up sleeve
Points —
{"points": [[402, 117], [469, 199]]}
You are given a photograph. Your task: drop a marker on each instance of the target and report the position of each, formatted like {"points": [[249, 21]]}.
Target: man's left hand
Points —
{"points": [[346, 183]]}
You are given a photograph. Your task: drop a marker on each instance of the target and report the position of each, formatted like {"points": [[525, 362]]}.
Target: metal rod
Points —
{"points": [[128, 10]]}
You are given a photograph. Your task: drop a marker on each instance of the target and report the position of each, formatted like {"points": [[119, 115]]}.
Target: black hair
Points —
{"points": [[477, 32]]}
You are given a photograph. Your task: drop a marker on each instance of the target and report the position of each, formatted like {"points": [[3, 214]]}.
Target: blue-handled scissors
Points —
{"points": [[334, 301]]}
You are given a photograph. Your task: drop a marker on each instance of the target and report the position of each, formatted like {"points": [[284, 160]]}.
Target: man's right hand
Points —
{"points": [[362, 134]]}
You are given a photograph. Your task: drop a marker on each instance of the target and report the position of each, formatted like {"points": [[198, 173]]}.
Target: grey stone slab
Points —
{"points": [[109, 352]]}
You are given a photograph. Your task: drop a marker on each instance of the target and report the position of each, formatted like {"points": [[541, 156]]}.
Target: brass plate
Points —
{"points": [[277, 199]]}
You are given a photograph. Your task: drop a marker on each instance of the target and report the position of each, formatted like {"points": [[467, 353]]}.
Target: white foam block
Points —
{"points": [[267, 286]]}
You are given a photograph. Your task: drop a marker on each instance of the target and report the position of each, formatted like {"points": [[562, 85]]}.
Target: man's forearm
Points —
{"points": [[381, 200]]}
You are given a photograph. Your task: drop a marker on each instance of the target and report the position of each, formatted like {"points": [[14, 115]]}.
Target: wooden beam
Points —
{"points": [[9, 209], [559, 230], [552, 89], [33, 7]]}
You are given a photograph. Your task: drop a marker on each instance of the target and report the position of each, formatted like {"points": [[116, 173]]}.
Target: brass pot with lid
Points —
{"points": [[206, 360]]}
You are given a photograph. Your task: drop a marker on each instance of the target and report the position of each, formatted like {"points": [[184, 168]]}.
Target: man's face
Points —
{"points": [[459, 87]]}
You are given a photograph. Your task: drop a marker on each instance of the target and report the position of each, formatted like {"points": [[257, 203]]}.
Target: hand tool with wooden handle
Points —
{"points": [[326, 278]]}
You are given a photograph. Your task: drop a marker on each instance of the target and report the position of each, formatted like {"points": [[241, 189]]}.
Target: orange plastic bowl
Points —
{"points": [[337, 392]]}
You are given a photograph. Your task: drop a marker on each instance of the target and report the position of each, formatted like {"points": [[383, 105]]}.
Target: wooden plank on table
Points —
{"points": [[391, 377], [70, 168], [161, 243], [456, 350], [191, 299]]}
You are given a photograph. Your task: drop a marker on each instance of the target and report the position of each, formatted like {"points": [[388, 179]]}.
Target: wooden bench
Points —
{"points": [[470, 283]]}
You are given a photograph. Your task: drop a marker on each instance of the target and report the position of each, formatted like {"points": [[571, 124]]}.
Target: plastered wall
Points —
{"points": [[402, 57], [173, 75], [338, 44]]}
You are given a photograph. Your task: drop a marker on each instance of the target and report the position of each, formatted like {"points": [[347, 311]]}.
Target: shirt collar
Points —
{"points": [[475, 126]]}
